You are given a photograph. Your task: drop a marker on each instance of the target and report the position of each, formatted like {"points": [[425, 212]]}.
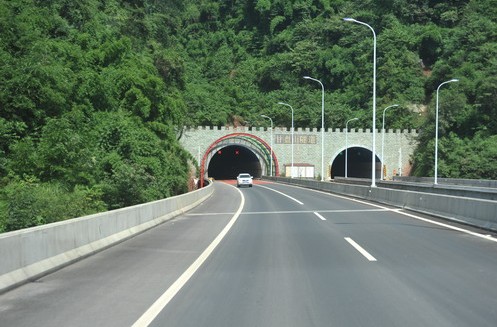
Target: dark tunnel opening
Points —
{"points": [[359, 164], [232, 160]]}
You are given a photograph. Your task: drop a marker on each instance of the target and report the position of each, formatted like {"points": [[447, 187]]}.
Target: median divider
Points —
{"points": [[472, 211], [30, 253]]}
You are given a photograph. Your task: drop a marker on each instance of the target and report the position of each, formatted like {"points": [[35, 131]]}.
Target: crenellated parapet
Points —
{"points": [[250, 129]]}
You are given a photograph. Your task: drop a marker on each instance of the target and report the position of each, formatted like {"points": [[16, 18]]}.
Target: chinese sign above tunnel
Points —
{"points": [[297, 139]]}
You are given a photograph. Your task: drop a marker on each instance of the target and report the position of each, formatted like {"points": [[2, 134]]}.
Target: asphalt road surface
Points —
{"points": [[274, 255]]}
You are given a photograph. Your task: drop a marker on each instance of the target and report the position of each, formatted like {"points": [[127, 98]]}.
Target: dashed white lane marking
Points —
{"points": [[401, 212], [320, 217], [360, 249], [288, 196], [169, 294]]}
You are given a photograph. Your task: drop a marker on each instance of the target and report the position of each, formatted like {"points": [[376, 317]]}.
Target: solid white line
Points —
{"points": [[399, 211], [288, 196], [462, 230], [320, 217], [165, 298], [360, 249]]}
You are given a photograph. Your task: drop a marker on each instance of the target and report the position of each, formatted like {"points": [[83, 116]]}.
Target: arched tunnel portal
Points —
{"points": [[238, 153], [359, 163], [228, 162]]}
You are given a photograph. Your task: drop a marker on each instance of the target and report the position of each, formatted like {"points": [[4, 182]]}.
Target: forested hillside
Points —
{"points": [[93, 94]]}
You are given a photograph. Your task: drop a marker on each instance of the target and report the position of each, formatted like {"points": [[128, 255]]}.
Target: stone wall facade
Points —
{"points": [[398, 145]]}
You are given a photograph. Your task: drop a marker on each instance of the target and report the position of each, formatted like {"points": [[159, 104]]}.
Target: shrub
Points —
{"points": [[31, 204]]}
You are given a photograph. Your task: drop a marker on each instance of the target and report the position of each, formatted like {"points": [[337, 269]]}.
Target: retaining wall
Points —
{"points": [[33, 252]]}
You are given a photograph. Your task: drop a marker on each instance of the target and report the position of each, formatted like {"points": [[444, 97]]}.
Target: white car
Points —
{"points": [[244, 179]]}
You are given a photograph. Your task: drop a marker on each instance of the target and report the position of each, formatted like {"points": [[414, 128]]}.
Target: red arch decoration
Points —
{"points": [[234, 135]]}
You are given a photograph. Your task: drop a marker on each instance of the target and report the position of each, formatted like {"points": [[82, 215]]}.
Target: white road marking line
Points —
{"points": [[288, 196], [360, 249], [288, 212], [320, 217], [449, 227], [169, 294], [210, 214], [399, 211]]}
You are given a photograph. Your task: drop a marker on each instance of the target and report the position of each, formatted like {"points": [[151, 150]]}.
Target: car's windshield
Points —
{"points": [[244, 176]]}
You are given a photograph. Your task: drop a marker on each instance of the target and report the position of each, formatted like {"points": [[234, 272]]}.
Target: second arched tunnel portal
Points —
{"points": [[358, 162]]}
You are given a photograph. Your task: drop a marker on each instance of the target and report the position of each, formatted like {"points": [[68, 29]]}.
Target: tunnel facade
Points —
{"points": [[304, 148]]}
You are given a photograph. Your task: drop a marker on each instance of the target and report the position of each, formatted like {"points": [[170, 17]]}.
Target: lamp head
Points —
{"points": [[348, 19], [307, 77], [454, 80]]}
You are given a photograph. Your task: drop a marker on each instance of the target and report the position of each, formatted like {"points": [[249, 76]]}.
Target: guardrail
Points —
{"points": [[469, 210], [33, 252]]}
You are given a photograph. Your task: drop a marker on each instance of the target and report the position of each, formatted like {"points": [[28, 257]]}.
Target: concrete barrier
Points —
{"points": [[443, 189], [33, 252], [469, 210], [449, 181]]}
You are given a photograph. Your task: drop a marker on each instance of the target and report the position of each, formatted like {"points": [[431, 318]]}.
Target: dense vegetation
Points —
{"points": [[93, 94]]}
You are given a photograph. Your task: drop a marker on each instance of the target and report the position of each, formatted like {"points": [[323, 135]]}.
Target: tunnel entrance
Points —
{"points": [[228, 162], [359, 164], [238, 153]]}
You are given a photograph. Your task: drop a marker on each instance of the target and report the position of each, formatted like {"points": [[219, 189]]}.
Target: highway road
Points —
{"points": [[275, 255]]}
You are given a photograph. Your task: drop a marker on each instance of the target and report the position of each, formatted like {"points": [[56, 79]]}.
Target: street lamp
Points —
{"points": [[286, 104], [271, 146], [383, 137], [436, 130], [347, 143], [322, 125], [373, 164]]}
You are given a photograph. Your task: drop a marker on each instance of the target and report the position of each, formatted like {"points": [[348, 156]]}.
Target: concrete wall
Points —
{"points": [[33, 252], [471, 189], [481, 193], [472, 211]]}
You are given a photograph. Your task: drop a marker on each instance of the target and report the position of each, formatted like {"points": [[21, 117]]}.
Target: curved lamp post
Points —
{"points": [[436, 130], [286, 104], [271, 160], [373, 168], [322, 124], [347, 144], [383, 137]]}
